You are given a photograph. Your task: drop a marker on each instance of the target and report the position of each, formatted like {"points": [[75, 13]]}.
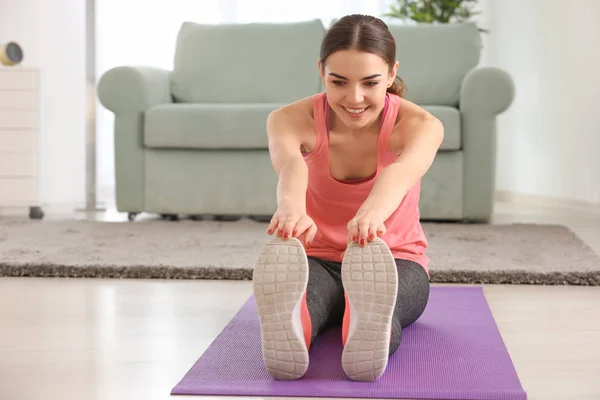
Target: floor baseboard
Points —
{"points": [[546, 201]]}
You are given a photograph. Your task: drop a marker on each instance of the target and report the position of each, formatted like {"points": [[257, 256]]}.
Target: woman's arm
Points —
{"points": [[284, 131], [287, 160]]}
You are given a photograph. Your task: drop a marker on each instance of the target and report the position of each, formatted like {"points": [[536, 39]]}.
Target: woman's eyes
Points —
{"points": [[368, 83]]}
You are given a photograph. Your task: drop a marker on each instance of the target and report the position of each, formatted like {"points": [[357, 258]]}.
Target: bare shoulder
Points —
{"points": [[410, 117], [294, 119], [411, 112], [297, 116]]}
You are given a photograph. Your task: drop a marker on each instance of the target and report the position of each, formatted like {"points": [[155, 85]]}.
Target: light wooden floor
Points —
{"points": [[64, 339]]}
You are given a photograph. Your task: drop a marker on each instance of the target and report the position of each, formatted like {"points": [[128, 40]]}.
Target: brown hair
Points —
{"points": [[363, 33]]}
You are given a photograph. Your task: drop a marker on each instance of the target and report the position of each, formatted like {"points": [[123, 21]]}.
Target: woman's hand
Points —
{"points": [[365, 226], [290, 221]]}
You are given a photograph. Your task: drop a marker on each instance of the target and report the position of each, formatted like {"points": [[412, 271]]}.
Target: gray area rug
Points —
{"points": [[459, 253]]}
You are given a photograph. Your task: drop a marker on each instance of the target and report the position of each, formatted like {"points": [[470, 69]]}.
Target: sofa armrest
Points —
{"points": [[486, 90], [132, 90], [485, 93], [128, 92]]}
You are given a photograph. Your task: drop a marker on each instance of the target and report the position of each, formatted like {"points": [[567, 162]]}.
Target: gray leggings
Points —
{"points": [[325, 297]]}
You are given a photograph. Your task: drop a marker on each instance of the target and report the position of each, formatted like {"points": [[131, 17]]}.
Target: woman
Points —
{"points": [[349, 248]]}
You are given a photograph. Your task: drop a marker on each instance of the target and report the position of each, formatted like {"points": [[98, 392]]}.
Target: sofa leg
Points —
{"points": [[170, 217], [36, 212], [227, 218], [474, 221], [261, 218], [131, 216]]}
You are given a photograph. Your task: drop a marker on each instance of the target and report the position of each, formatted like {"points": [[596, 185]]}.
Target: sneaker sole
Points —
{"points": [[280, 279], [370, 279]]}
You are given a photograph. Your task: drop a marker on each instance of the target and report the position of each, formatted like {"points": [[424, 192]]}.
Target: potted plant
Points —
{"points": [[434, 11]]}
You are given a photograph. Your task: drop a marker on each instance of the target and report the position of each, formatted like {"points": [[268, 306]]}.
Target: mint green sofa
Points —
{"points": [[192, 141]]}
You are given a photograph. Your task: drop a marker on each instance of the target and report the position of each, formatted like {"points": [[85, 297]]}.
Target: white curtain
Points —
{"points": [[142, 32]]}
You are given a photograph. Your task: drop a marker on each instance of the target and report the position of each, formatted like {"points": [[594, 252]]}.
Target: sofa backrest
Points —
{"points": [[246, 63], [434, 60]]}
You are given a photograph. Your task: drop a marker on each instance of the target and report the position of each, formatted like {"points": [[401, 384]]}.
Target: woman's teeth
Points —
{"points": [[355, 110]]}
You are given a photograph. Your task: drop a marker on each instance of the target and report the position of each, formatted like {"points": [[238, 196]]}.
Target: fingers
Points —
{"points": [[278, 230], [273, 225], [376, 231], [358, 231], [310, 235], [282, 228], [288, 228], [363, 231], [303, 224], [352, 231], [372, 234], [307, 228], [293, 227]]}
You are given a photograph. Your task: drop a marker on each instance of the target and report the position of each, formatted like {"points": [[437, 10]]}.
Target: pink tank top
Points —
{"points": [[332, 203]]}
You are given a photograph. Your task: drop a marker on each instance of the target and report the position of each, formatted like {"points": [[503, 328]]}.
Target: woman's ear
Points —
{"points": [[393, 73], [321, 72]]}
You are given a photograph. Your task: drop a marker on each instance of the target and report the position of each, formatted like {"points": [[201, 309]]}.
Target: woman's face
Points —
{"points": [[356, 83]]}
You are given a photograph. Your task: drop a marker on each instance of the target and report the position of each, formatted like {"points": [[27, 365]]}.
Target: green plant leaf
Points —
{"points": [[434, 11]]}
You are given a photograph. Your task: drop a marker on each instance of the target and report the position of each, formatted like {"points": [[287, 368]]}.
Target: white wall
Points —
{"points": [[549, 140], [52, 34]]}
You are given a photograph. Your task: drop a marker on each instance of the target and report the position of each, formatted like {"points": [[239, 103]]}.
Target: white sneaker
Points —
{"points": [[279, 280], [370, 280]]}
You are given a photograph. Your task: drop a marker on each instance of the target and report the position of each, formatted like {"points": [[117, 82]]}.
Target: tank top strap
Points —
{"points": [[387, 156], [320, 117]]}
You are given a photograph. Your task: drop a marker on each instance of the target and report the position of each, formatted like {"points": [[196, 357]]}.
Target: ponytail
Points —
{"points": [[397, 87]]}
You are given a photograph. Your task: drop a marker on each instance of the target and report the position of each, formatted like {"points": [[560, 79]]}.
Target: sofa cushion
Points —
{"points": [[247, 62], [434, 59], [208, 126], [450, 118]]}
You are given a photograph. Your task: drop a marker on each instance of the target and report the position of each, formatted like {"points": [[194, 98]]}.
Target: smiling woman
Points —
{"points": [[355, 93], [373, 38], [349, 163], [356, 111], [358, 64]]}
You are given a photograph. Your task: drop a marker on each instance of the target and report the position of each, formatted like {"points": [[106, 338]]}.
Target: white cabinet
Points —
{"points": [[19, 139]]}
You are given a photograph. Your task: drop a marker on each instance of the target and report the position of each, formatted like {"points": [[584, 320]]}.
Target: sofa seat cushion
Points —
{"points": [[208, 126], [450, 118]]}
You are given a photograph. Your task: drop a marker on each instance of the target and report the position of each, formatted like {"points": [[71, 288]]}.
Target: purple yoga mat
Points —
{"points": [[454, 351]]}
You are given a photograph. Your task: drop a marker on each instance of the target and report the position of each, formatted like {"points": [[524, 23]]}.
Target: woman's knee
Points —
{"points": [[413, 291]]}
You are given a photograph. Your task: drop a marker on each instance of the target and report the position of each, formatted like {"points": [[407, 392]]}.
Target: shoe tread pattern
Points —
{"points": [[279, 280], [370, 279]]}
